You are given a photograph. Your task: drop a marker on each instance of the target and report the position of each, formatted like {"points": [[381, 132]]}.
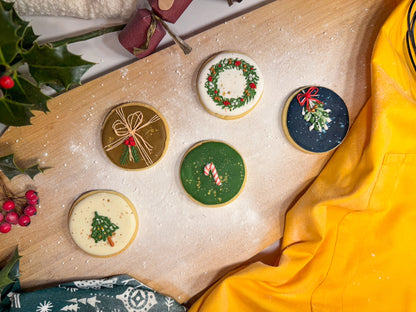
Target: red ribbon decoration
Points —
{"points": [[306, 98]]}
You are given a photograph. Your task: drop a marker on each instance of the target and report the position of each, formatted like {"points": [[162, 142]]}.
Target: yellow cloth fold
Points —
{"points": [[349, 242]]}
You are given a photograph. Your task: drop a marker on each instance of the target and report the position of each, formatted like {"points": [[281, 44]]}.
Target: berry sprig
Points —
{"points": [[17, 209]]}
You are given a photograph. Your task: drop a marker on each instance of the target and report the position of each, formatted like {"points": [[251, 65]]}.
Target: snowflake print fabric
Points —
{"points": [[120, 293]]}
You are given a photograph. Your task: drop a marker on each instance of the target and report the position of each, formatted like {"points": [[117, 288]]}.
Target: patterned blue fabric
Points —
{"points": [[115, 294]]}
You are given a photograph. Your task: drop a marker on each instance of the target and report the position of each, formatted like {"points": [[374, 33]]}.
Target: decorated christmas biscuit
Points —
{"points": [[315, 119], [230, 85], [213, 173], [103, 223], [135, 136]]}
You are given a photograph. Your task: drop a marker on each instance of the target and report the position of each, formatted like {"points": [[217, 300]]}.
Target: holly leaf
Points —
{"points": [[24, 31], [9, 39], [14, 113], [32, 171], [10, 169], [55, 66], [10, 273]]}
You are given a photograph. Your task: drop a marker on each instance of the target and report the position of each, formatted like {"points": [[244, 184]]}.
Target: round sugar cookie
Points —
{"points": [[213, 173], [315, 119], [230, 85], [135, 136], [103, 223]]}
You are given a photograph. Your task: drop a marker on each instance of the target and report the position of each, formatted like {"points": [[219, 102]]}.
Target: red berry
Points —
{"points": [[31, 194], [6, 82], [126, 142], [1, 218], [132, 143], [8, 205], [5, 227], [210, 78], [24, 220], [30, 210], [12, 217], [33, 201]]}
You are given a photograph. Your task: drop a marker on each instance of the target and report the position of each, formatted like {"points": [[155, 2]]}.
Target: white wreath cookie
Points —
{"points": [[103, 223], [230, 85]]}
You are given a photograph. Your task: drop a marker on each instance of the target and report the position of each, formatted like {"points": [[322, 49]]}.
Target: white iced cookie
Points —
{"points": [[103, 223], [77, 8], [230, 85]]}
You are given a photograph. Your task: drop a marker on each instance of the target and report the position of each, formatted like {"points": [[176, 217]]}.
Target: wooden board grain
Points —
{"points": [[182, 247]]}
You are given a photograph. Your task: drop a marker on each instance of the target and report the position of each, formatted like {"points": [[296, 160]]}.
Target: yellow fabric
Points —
{"points": [[350, 242]]}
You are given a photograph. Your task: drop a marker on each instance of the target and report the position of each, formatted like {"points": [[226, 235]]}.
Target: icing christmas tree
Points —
{"points": [[103, 229]]}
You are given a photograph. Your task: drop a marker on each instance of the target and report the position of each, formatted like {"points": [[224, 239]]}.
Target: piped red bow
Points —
{"points": [[308, 96]]}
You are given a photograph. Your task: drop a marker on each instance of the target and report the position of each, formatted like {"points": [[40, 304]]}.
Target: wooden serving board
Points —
{"points": [[182, 247]]}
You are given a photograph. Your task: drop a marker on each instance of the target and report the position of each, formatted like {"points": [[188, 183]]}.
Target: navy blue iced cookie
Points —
{"points": [[315, 119]]}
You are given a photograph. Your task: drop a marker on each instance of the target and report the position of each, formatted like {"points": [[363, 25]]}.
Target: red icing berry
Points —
{"points": [[30, 210], [24, 220], [5, 227], [132, 143], [8, 205], [242, 100], [237, 63], [6, 82], [12, 217], [31, 194], [1, 218], [131, 139], [126, 142], [210, 78], [252, 85], [226, 103], [216, 91]]}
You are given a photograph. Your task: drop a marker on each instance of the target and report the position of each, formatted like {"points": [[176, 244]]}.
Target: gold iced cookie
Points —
{"points": [[135, 136]]}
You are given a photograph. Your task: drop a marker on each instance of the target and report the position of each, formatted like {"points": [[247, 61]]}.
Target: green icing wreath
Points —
{"points": [[249, 73]]}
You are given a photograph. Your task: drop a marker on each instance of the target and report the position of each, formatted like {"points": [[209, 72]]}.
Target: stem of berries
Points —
{"points": [[16, 209]]}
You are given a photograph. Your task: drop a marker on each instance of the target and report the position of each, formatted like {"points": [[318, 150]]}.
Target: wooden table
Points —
{"points": [[181, 247]]}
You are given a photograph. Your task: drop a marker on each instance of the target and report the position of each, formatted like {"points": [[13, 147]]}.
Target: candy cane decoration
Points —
{"points": [[211, 167]]}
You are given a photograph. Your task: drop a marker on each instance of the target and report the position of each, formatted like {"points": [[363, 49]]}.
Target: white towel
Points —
{"points": [[88, 9]]}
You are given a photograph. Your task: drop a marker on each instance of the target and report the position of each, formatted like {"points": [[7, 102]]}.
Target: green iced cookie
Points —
{"points": [[213, 173]]}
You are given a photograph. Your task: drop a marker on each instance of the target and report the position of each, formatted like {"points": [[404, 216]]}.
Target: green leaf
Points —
{"points": [[124, 155], [10, 273], [10, 169], [55, 66], [135, 153], [26, 92], [9, 39], [13, 113], [32, 171], [24, 31]]}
